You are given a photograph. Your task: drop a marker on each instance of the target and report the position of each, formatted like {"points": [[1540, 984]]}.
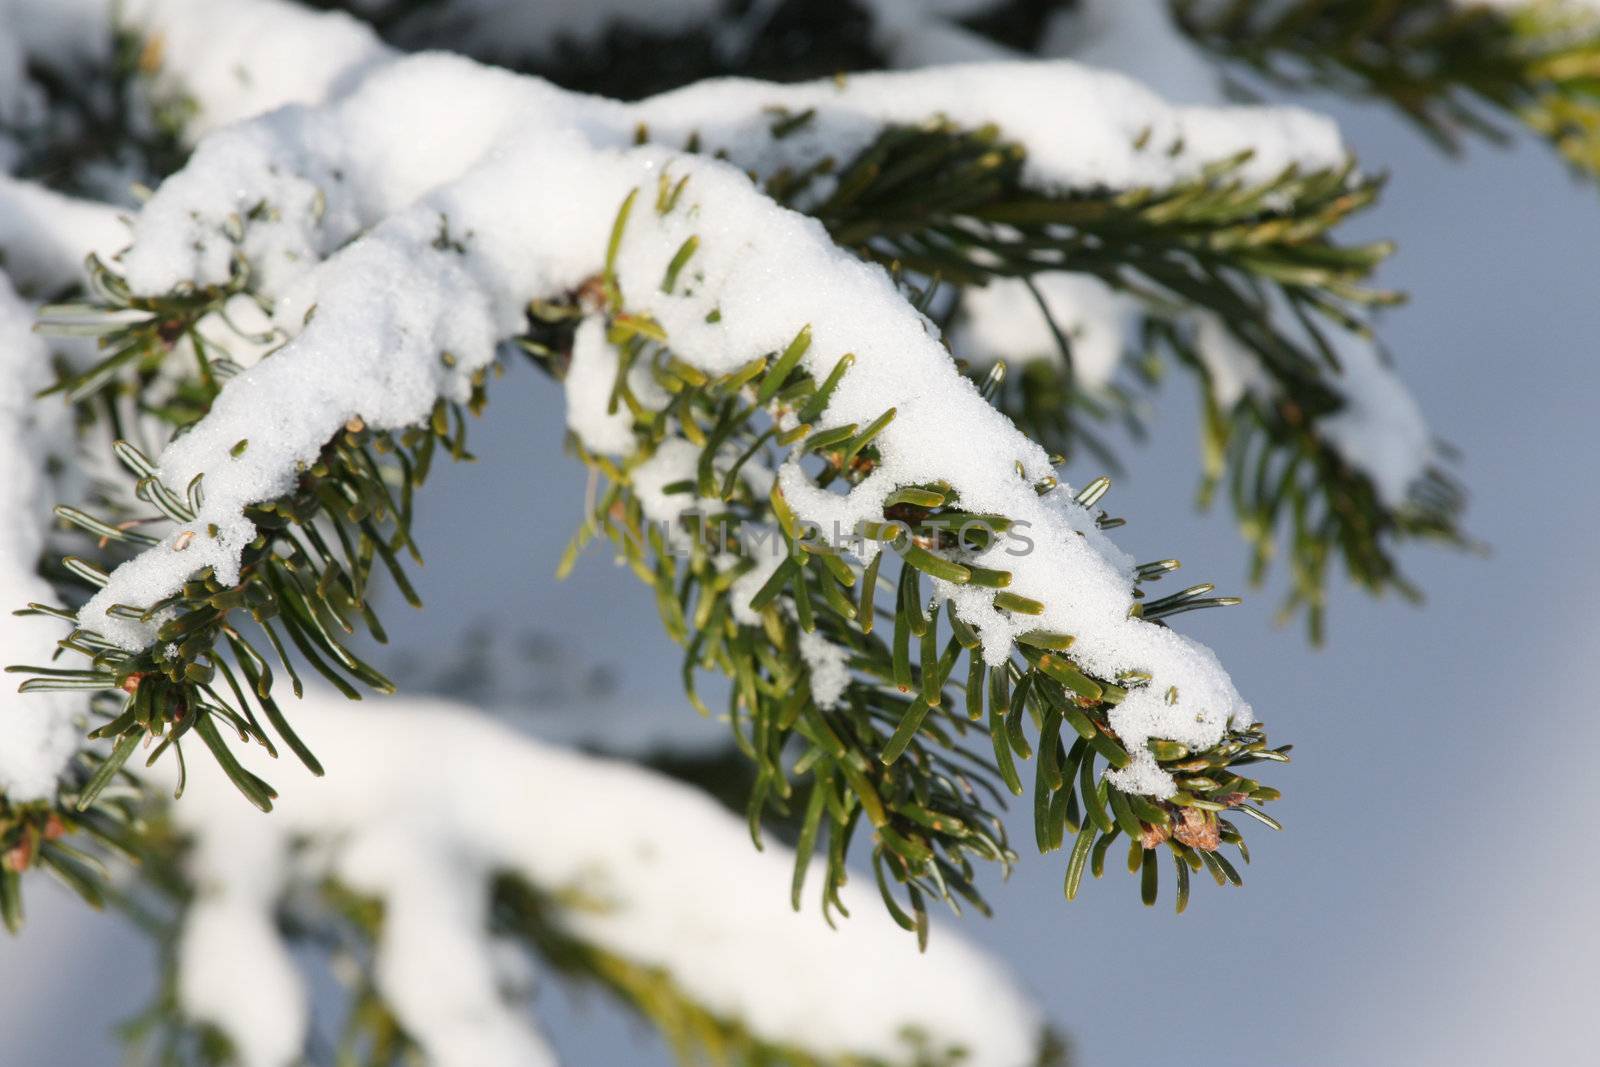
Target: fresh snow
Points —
{"points": [[1380, 429], [1081, 126], [590, 377], [669, 878], [588, 384]]}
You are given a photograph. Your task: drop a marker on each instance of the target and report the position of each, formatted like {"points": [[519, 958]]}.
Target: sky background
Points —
{"points": [[1430, 899]]}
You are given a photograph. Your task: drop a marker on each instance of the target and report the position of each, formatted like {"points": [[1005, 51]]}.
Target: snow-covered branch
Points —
{"points": [[648, 870], [400, 235], [705, 270], [517, 206]]}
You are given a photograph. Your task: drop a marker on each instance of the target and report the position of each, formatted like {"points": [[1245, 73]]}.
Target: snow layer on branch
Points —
{"points": [[590, 378], [1380, 429], [37, 734], [45, 236], [454, 801], [588, 384], [1234, 370], [420, 122], [530, 219], [1081, 126], [828, 666]]}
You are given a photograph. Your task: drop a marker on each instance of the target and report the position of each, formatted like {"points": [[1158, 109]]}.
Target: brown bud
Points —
{"points": [[1151, 836], [19, 855], [1198, 829], [592, 294]]}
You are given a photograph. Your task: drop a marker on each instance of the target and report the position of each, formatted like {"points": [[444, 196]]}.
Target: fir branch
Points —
{"points": [[892, 751], [1292, 492], [951, 204], [894, 747], [77, 836], [304, 580]]}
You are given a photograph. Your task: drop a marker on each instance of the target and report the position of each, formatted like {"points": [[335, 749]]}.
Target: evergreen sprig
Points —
{"points": [[72, 841], [935, 202], [1290, 489], [950, 205], [303, 581], [894, 750], [895, 756]]}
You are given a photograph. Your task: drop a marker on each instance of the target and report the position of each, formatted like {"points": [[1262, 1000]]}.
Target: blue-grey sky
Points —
{"points": [[1428, 902]]}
